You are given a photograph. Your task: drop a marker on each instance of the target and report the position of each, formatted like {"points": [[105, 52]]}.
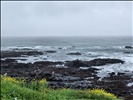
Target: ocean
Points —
{"points": [[89, 47]]}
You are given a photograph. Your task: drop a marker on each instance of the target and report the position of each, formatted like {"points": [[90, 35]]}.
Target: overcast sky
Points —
{"points": [[66, 18]]}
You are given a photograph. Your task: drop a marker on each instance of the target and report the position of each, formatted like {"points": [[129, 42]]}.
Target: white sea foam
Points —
{"points": [[126, 68], [130, 84], [84, 67]]}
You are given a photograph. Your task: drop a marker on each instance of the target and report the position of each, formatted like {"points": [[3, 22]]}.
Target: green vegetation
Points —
{"points": [[18, 89]]}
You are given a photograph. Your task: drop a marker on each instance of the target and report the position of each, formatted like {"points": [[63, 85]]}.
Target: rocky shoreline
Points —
{"points": [[69, 74]]}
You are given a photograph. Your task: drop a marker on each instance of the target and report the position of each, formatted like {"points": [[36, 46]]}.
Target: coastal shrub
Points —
{"points": [[8, 78], [33, 85], [101, 93], [19, 89], [43, 84], [9, 91]]}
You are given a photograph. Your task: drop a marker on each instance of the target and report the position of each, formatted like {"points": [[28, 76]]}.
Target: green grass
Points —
{"points": [[37, 90]]}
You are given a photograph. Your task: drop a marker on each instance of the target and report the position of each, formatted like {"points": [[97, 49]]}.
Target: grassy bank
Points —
{"points": [[18, 89]]}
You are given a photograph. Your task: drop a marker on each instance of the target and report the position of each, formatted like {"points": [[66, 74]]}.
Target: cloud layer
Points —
{"points": [[66, 18]]}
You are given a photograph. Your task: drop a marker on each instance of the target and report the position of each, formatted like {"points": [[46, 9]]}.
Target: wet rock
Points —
{"points": [[118, 85], [76, 53], [50, 51], [120, 74], [44, 58], [32, 74], [74, 85], [22, 59], [112, 74], [46, 63], [73, 46], [66, 78], [7, 62], [5, 54], [101, 62], [128, 52], [82, 84], [23, 49], [46, 75], [30, 53], [95, 62], [128, 47], [60, 48], [76, 63], [10, 60]]}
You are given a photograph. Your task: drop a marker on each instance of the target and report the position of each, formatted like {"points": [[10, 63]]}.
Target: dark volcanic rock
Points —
{"points": [[76, 63], [76, 53], [117, 84], [127, 52], [46, 63], [46, 75], [65, 78], [120, 74], [23, 49], [95, 62], [10, 60], [50, 51], [60, 48], [112, 74], [74, 85], [30, 53], [100, 62], [7, 62], [128, 47], [82, 84], [72, 76], [22, 59], [5, 54]]}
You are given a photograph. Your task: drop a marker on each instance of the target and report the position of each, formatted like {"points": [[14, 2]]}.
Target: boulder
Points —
{"points": [[74, 53], [128, 47], [127, 52], [75, 63], [50, 51]]}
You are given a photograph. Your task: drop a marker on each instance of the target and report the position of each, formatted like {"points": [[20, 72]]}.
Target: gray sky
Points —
{"points": [[66, 18]]}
